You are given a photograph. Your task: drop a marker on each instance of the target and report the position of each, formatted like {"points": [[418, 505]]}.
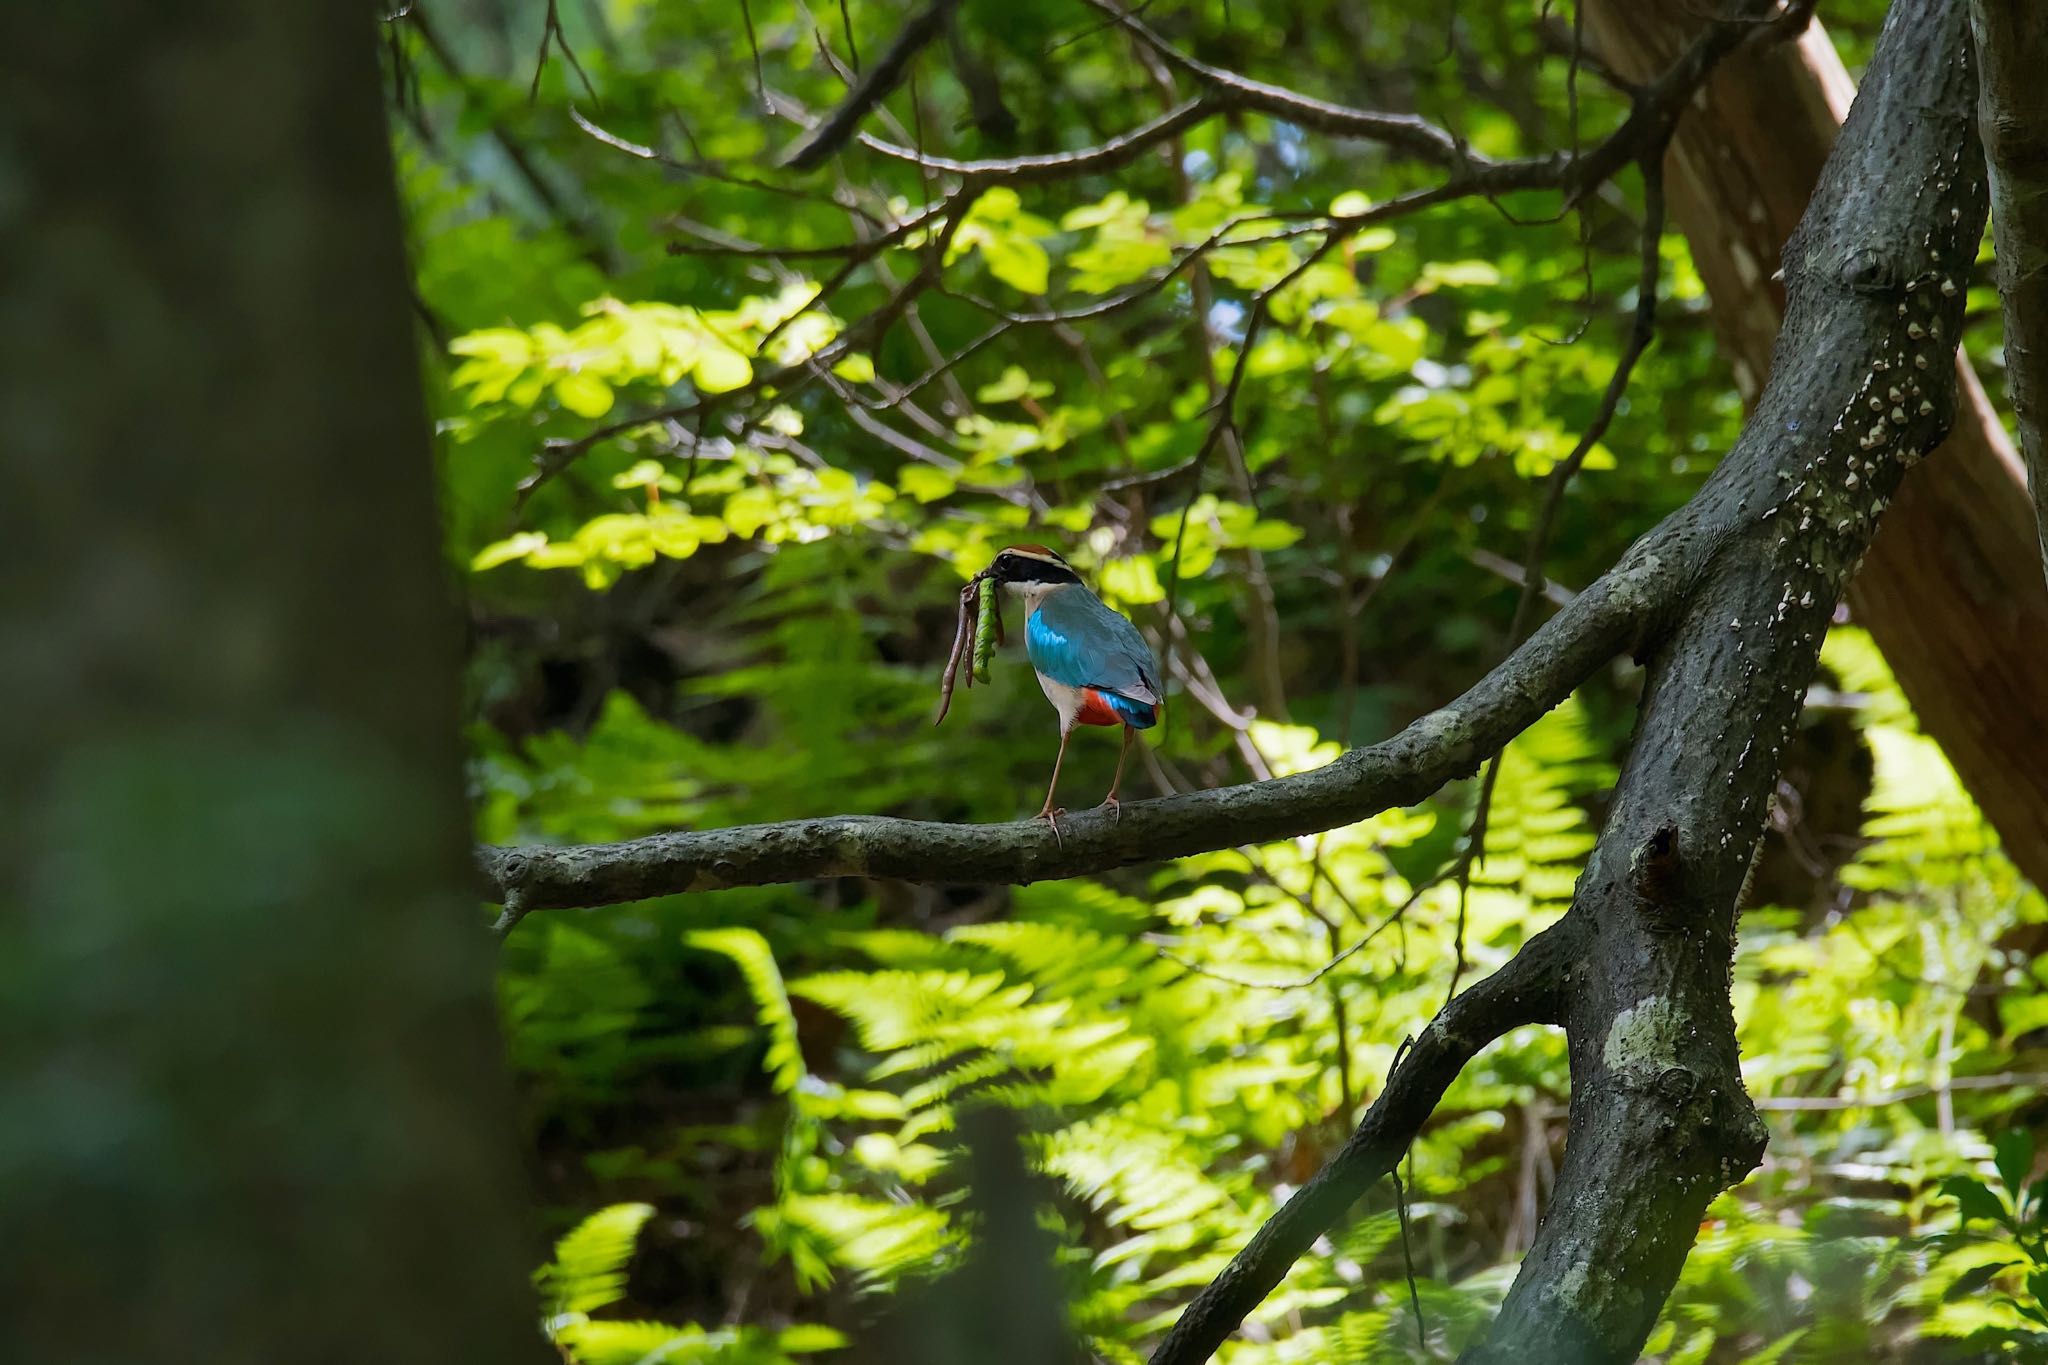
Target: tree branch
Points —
{"points": [[1409, 133], [1647, 127], [2012, 46], [831, 132], [1446, 744], [1659, 1120], [1528, 990], [1865, 387], [1120, 150]]}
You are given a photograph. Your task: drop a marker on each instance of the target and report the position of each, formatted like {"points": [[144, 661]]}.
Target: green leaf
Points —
{"points": [[925, 483], [1974, 1200], [1018, 262], [506, 345], [2014, 1157], [721, 369], [588, 1271], [807, 1338], [505, 551], [1461, 274], [857, 367], [584, 394], [1115, 206], [1014, 384], [1114, 260]]}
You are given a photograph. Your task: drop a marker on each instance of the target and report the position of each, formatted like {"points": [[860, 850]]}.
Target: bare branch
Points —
{"points": [[1639, 338], [551, 35], [1808, 1104], [711, 170], [1660, 1121], [1408, 133], [1526, 991], [1446, 744], [873, 86], [1120, 150]]}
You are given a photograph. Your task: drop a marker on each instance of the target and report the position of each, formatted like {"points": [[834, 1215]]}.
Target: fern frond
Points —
{"points": [[877, 1240], [588, 1271], [756, 962]]}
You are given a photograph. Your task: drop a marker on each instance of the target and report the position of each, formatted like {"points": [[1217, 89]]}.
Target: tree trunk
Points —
{"points": [[253, 1107], [1862, 387], [1951, 589]]}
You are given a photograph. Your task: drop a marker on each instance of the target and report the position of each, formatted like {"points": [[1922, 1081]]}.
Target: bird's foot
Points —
{"points": [[1051, 815], [1114, 807]]}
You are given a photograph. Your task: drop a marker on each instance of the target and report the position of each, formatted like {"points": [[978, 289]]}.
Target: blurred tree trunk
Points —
{"points": [[1952, 589], [253, 1109]]}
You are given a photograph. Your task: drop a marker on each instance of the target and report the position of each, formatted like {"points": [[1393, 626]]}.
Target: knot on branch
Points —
{"points": [[1866, 270], [1677, 1084], [1656, 867]]}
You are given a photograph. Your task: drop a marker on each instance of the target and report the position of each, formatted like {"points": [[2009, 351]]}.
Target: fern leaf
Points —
{"points": [[589, 1268], [751, 954]]}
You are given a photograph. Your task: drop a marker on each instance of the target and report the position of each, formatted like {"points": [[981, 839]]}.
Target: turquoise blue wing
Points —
{"points": [[1073, 638]]}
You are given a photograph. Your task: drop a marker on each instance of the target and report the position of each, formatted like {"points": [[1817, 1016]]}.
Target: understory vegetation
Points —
{"points": [[1306, 447]]}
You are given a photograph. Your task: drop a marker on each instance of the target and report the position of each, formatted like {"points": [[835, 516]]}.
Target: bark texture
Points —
{"points": [[2012, 50], [251, 1105], [1950, 589]]}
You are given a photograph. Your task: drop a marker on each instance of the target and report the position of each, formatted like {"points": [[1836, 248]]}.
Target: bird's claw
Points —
{"points": [[1051, 816], [1114, 807]]}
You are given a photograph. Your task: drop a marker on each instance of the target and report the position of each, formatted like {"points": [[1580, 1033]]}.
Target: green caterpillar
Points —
{"points": [[985, 630]]}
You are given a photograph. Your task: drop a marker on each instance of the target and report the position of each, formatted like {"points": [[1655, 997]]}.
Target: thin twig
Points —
{"points": [[846, 26], [1527, 990], [1392, 917], [711, 170], [834, 130], [1640, 335], [1407, 1256], [551, 33], [1117, 151], [2002, 1080], [754, 46], [1223, 406]]}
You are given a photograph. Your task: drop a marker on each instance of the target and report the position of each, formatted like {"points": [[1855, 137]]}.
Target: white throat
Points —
{"points": [[1031, 594]]}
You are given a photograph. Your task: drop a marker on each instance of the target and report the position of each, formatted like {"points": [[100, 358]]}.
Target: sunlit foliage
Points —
{"points": [[743, 1107]]}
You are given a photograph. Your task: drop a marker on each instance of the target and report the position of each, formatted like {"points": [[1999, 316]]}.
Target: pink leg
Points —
{"points": [[1049, 813], [1122, 753]]}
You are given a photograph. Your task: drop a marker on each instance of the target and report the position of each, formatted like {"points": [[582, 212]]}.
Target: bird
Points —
{"points": [[1093, 665]]}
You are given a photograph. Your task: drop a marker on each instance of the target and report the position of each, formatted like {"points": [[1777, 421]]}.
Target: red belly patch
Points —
{"points": [[1095, 711]]}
